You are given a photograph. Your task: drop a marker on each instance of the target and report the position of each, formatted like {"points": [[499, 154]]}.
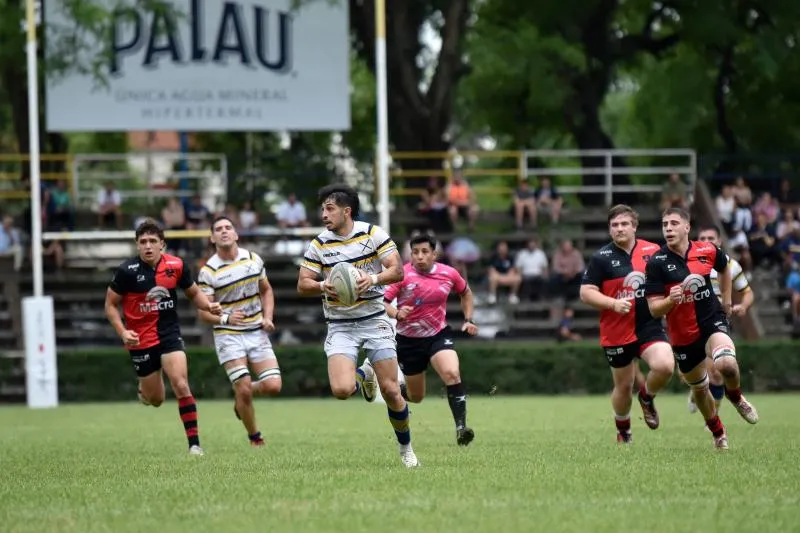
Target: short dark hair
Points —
{"points": [[149, 227], [710, 227], [677, 211], [342, 195], [221, 217], [419, 237], [622, 209]]}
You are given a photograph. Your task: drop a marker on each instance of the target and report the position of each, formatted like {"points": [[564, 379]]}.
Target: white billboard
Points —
{"points": [[210, 65]]}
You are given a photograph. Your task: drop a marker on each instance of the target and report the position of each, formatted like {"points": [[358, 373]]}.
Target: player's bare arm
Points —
{"points": [[748, 297], [113, 301], [467, 307], [234, 318], [392, 273], [309, 284], [661, 305], [591, 295], [725, 289], [267, 303], [201, 301]]}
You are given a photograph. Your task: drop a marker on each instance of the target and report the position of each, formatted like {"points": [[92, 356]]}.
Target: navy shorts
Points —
{"points": [[148, 360]]}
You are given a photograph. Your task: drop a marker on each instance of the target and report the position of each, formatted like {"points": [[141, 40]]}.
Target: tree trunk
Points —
{"points": [[418, 119]]}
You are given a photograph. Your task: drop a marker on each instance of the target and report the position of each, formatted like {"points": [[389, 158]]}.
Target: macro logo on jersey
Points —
{"points": [[157, 299], [694, 288], [632, 286]]}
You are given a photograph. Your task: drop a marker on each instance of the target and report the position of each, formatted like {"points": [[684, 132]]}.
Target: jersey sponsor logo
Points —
{"points": [[134, 266], [694, 289], [632, 286], [605, 252], [169, 272], [157, 299]]}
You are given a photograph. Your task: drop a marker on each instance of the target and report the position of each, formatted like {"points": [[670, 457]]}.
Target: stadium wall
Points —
{"points": [[487, 368]]}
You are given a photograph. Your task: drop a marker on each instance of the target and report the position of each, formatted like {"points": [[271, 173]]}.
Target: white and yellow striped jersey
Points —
{"points": [[364, 248], [234, 284], [738, 279]]}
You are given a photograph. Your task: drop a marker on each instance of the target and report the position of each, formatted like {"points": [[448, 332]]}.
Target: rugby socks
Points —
{"points": [[256, 439], [623, 423], [734, 395], [399, 420], [715, 426], [718, 392], [187, 408], [457, 399]]}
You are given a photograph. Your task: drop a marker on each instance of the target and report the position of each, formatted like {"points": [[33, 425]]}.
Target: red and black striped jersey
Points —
{"points": [[149, 297], [620, 275], [699, 308]]}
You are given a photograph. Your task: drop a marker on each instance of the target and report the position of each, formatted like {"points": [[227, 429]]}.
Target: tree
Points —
{"points": [[71, 50], [422, 84]]}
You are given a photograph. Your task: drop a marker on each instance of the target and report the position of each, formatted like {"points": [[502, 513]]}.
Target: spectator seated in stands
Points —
{"points": [[109, 206], [726, 205], [564, 332], [503, 273], [763, 244], [462, 202], [433, 205], [60, 212], [11, 242], [532, 264], [737, 238], [248, 217], [673, 193], [462, 252], [742, 193], [291, 213], [568, 266], [790, 249], [548, 200], [793, 285], [173, 217], [767, 206], [787, 225], [789, 198], [524, 203], [197, 214]]}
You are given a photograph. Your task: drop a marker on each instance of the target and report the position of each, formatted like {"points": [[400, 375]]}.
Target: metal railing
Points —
{"points": [[13, 167], [151, 176], [621, 170], [645, 171]]}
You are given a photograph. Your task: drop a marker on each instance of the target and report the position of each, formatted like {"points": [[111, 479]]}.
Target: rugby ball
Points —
{"points": [[344, 278]]}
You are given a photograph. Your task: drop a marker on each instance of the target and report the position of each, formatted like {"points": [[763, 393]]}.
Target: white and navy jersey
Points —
{"points": [[365, 247], [738, 279], [234, 284]]}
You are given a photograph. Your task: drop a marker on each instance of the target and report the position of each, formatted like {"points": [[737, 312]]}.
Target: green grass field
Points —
{"points": [[546, 464]]}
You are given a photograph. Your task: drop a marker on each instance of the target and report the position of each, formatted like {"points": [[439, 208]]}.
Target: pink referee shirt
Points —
{"points": [[427, 293]]}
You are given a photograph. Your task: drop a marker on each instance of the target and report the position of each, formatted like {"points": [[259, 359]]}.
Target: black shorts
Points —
{"points": [[414, 353], [622, 356], [148, 360], [691, 355]]}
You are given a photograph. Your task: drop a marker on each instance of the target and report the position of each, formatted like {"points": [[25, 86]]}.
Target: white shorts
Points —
{"points": [[255, 345], [375, 335]]}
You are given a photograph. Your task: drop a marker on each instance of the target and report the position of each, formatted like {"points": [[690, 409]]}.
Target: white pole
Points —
{"points": [[41, 368], [33, 134], [383, 120]]}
